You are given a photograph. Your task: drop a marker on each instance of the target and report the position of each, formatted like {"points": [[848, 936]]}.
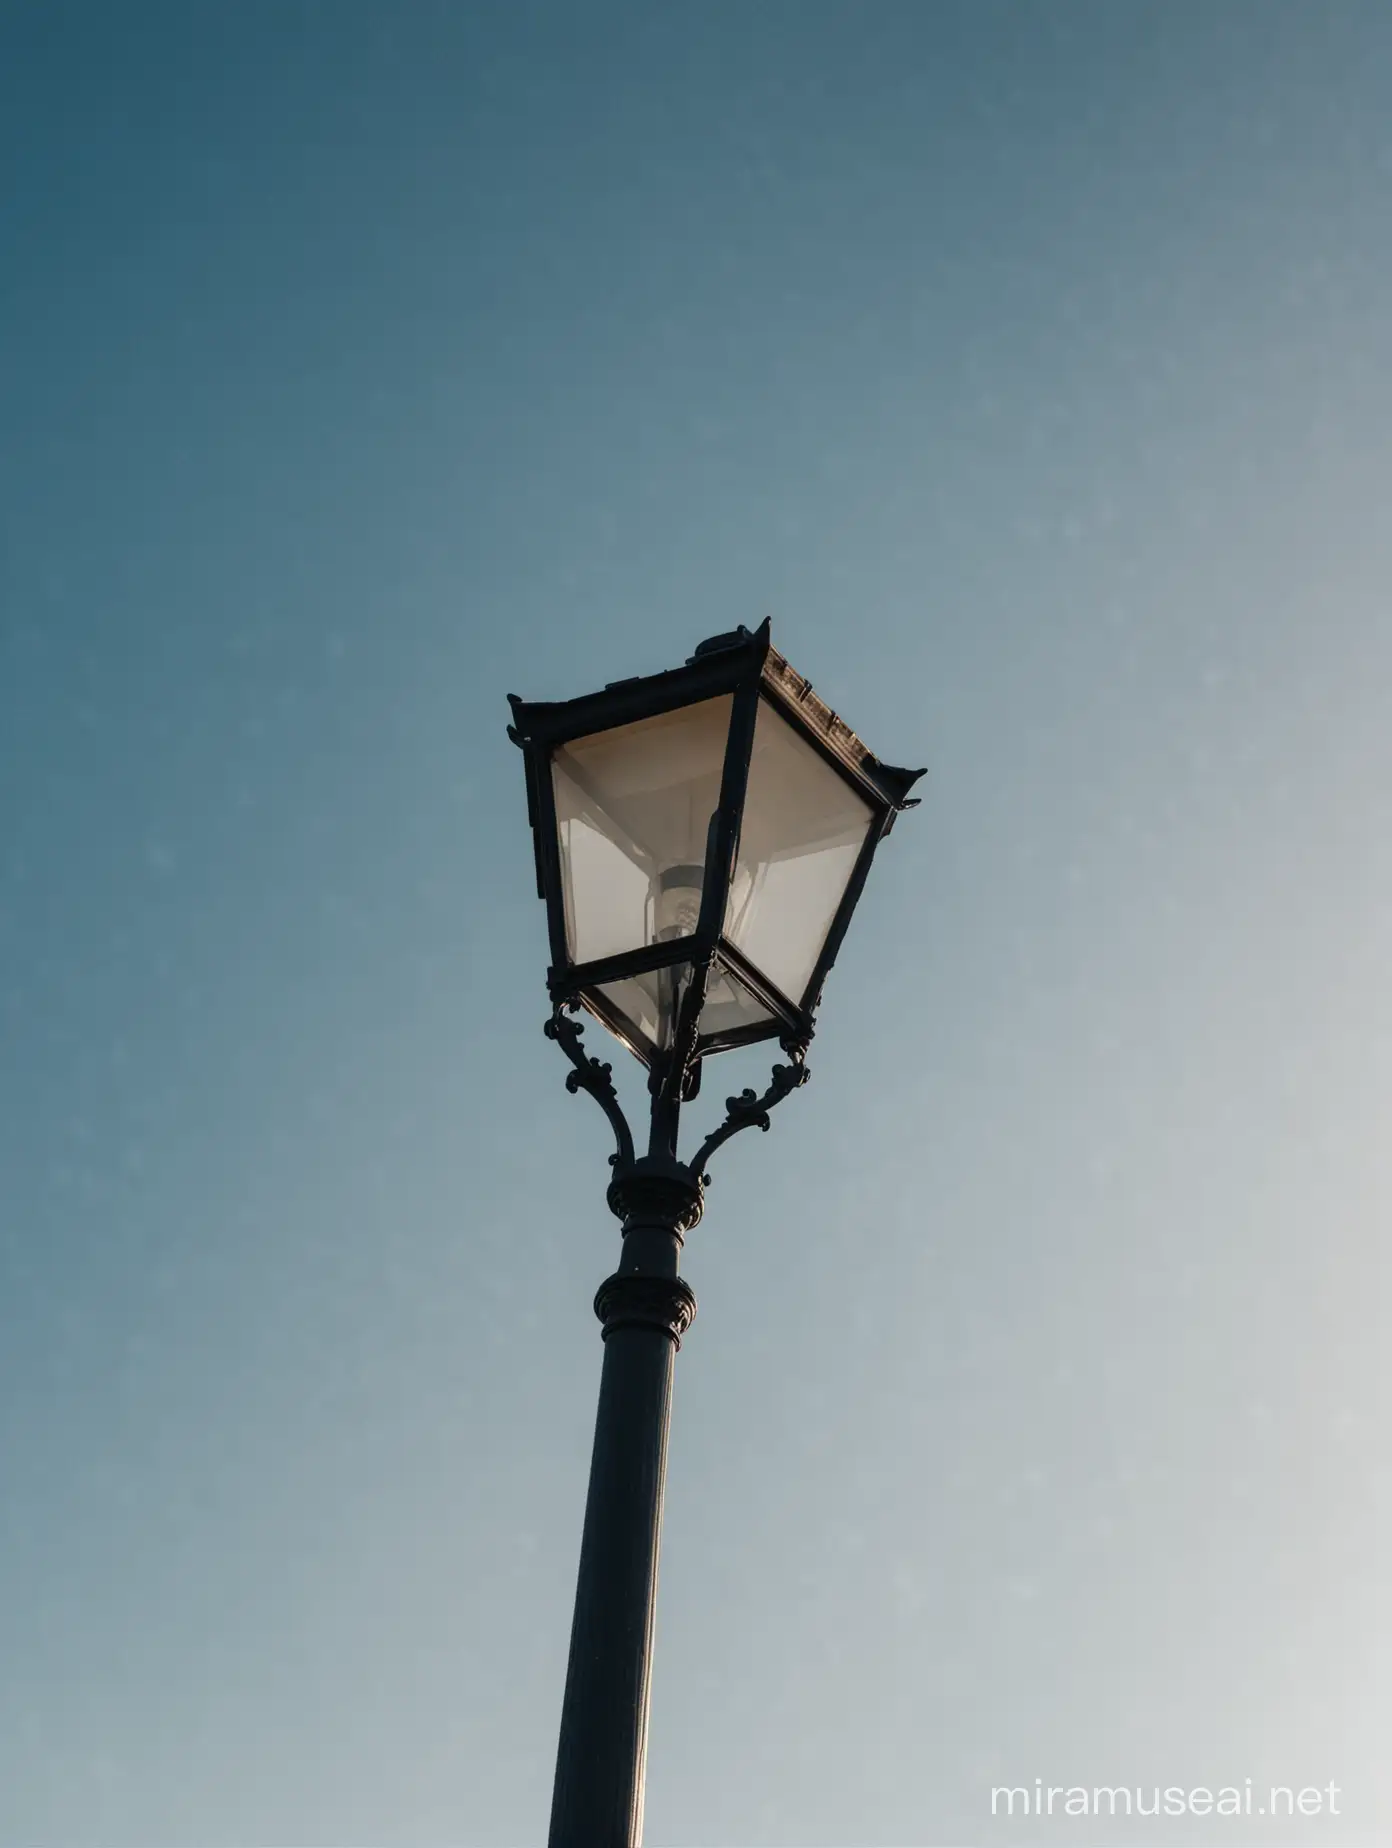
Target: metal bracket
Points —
{"points": [[592, 1076], [747, 1110]]}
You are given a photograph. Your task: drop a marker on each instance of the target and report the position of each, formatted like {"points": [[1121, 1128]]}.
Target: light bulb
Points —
{"points": [[678, 908]]}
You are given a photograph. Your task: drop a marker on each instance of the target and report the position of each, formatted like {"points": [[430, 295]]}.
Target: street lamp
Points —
{"points": [[701, 838]]}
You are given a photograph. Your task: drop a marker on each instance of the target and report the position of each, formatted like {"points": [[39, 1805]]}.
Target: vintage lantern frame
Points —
{"points": [[745, 666]]}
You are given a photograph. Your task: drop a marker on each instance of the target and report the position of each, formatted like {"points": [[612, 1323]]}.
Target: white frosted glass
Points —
{"points": [[804, 827], [633, 806]]}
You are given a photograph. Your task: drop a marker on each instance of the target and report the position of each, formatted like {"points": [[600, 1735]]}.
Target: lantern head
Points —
{"points": [[701, 837]]}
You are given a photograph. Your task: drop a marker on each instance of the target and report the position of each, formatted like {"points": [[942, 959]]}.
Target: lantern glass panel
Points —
{"points": [[649, 1003], [803, 830], [633, 807], [730, 1006]]}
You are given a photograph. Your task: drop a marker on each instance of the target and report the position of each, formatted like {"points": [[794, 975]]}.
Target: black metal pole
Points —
{"points": [[645, 1309]]}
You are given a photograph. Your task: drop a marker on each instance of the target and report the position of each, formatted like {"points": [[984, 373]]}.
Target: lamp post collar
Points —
{"points": [[656, 1190]]}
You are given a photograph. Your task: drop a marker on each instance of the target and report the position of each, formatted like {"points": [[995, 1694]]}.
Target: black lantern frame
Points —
{"points": [[745, 666]]}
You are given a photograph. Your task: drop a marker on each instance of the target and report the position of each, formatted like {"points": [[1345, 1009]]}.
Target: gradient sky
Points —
{"points": [[1031, 366]]}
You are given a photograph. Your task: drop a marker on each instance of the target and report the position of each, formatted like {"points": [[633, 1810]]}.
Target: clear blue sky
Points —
{"points": [[1031, 366]]}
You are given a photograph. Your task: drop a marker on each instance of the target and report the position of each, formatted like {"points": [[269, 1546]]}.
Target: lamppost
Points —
{"points": [[701, 837]]}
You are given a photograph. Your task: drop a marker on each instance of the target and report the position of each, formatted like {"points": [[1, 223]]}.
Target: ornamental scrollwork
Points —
{"points": [[749, 1110], [591, 1075]]}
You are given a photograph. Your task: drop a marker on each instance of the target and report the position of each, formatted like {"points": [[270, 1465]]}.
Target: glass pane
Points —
{"points": [[730, 1006], [649, 1003], [804, 827], [633, 806]]}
